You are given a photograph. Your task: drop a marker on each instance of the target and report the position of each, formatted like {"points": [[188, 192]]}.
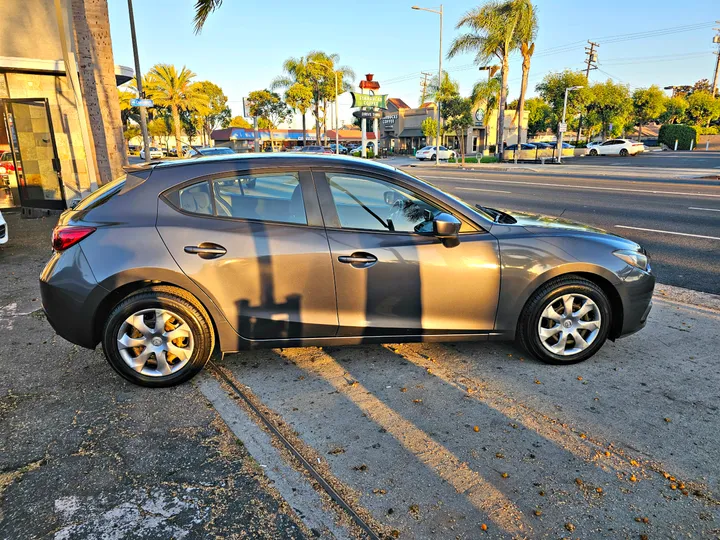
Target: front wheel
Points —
{"points": [[159, 336], [566, 321], [593, 152]]}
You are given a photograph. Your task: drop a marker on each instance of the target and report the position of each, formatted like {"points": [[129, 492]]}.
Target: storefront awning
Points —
{"points": [[413, 132]]}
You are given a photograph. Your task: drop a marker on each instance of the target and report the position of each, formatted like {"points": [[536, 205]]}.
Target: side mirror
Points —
{"points": [[446, 227]]}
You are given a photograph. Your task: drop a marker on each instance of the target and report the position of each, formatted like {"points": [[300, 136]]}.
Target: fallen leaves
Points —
{"points": [[417, 400], [504, 475], [476, 429], [483, 526], [378, 491], [668, 420], [537, 381], [538, 513], [633, 478], [499, 455], [337, 450], [403, 389], [362, 467], [570, 527]]}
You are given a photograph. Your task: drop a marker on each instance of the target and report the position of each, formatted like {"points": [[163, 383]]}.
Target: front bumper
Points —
{"points": [[636, 294]]}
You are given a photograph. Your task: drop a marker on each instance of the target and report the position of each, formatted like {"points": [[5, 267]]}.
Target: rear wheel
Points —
{"points": [[624, 152], [565, 321], [593, 152], [433, 157], [160, 336]]}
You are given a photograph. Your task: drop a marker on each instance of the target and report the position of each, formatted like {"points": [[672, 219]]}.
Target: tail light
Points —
{"points": [[67, 236]]}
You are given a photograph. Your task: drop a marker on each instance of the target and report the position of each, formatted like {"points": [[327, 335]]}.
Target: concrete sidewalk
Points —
{"points": [[435, 440]]}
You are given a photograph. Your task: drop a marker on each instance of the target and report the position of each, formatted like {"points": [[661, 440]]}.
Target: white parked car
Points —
{"points": [[3, 230], [616, 147], [429, 152], [155, 153]]}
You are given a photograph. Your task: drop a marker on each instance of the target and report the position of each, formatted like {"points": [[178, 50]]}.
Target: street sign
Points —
{"points": [[562, 127], [139, 102], [367, 114], [367, 100]]}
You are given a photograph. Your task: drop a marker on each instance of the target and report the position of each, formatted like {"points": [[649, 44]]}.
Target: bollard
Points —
{"points": [[676, 141], [692, 142], [707, 145]]}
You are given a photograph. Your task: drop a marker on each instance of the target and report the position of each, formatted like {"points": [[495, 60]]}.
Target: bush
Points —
{"points": [[711, 130], [669, 133], [488, 159], [467, 160]]}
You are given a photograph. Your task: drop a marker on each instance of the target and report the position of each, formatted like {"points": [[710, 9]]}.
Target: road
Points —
{"points": [[676, 220]]}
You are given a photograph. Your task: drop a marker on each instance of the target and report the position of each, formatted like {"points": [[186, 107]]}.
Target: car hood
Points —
{"points": [[557, 226]]}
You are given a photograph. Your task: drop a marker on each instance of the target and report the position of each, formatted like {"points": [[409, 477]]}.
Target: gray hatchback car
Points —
{"points": [[179, 260]]}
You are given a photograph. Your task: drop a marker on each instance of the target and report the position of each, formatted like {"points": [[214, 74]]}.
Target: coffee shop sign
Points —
{"points": [[389, 121]]}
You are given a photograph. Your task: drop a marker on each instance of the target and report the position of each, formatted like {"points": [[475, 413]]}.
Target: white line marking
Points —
{"points": [[654, 192], [479, 189], [708, 209], [669, 232]]}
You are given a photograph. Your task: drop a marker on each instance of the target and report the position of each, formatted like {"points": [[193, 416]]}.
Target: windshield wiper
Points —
{"points": [[498, 215]]}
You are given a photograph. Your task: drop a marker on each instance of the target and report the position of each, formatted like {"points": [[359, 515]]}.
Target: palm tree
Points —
{"points": [[525, 32], [295, 83], [169, 88], [486, 94], [492, 35]]}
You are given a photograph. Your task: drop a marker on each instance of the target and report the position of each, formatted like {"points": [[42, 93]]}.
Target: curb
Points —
{"points": [[686, 297]]}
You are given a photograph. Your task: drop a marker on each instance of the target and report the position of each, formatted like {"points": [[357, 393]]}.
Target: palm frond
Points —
{"points": [[203, 9]]}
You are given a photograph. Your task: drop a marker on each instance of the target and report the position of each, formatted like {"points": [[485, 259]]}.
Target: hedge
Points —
{"points": [[669, 133]]}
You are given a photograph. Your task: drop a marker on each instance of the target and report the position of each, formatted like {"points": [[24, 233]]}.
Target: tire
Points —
{"points": [[533, 318], [593, 152], [624, 152], [432, 158], [186, 314]]}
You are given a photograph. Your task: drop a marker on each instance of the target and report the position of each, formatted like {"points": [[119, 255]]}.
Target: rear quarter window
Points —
{"points": [[102, 194]]}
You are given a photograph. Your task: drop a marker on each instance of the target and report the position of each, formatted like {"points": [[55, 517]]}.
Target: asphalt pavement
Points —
{"points": [[676, 219]]}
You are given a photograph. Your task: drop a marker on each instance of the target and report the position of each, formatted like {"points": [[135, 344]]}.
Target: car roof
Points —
{"points": [[267, 159]]}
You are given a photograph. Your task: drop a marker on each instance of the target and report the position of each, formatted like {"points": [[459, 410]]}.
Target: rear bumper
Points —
{"points": [[636, 295], [66, 284]]}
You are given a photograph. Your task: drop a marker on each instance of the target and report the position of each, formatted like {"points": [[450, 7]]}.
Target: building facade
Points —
{"points": [[44, 161]]}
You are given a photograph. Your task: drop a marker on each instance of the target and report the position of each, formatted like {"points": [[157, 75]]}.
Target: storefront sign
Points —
{"points": [[479, 117], [367, 114], [367, 100], [389, 121]]}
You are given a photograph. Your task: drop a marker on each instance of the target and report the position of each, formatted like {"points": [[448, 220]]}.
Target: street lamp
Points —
{"points": [[562, 126], [337, 136], [438, 12]]}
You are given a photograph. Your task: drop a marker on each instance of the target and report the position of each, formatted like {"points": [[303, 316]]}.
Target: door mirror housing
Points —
{"points": [[391, 197], [446, 227]]}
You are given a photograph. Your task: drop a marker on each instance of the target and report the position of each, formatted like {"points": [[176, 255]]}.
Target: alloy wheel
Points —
{"points": [[569, 324], [155, 342]]}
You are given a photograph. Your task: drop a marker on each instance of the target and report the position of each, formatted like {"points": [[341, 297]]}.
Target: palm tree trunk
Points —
{"points": [[176, 121], [501, 106], [304, 131], [521, 102], [96, 67]]}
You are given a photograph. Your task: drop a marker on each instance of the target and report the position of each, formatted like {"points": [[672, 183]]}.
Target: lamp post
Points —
{"points": [[337, 136], [438, 12], [138, 79], [561, 128]]}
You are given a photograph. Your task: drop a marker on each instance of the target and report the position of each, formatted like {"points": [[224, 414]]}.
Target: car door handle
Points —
{"points": [[359, 260], [206, 250]]}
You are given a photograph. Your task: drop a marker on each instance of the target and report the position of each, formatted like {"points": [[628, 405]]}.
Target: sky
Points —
{"points": [[244, 43]]}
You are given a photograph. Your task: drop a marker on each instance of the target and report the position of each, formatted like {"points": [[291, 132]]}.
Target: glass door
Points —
{"points": [[32, 142]]}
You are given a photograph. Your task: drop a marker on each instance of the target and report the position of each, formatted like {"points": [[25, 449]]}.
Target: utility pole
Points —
{"points": [[591, 63], [138, 79], [716, 79], [423, 86]]}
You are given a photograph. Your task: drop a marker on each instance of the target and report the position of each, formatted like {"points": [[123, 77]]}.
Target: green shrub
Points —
{"points": [[669, 133], [467, 160], [488, 159], [370, 154]]}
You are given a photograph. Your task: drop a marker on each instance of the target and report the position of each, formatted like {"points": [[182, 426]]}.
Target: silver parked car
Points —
{"points": [[226, 253]]}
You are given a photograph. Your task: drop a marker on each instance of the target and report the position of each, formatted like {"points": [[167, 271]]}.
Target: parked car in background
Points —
{"points": [[355, 252], [295, 149], [429, 152], [357, 151], [172, 151], [343, 149], [314, 149], [523, 146], [3, 230], [155, 153], [210, 151], [552, 145], [616, 147], [7, 165]]}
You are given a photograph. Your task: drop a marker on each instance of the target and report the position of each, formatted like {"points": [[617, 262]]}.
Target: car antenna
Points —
{"points": [[561, 213]]}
